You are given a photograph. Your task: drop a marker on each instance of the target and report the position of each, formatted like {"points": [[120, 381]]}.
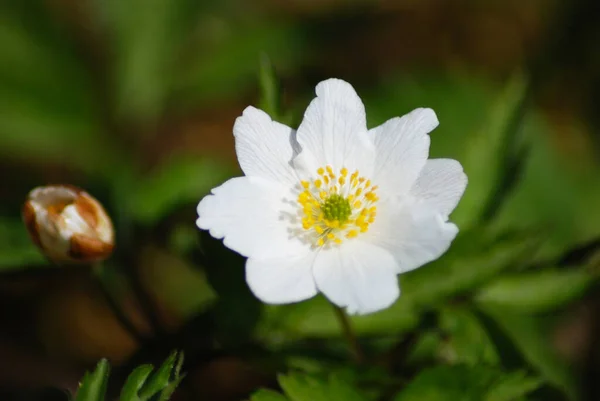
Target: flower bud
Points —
{"points": [[68, 224]]}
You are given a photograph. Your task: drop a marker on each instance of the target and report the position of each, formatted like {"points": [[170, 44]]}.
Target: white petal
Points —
{"points": [[440, 185], [359, 276], [402, 147], [414, 234], [250, 214], [264, 147], [282, 280], [334, 130]]}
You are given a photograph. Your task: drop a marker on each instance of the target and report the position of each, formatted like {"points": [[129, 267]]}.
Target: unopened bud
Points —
{"points": [[68, 224]]}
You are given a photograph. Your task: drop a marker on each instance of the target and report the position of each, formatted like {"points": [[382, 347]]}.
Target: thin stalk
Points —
{"points": [[348, 333], [115, 307]]}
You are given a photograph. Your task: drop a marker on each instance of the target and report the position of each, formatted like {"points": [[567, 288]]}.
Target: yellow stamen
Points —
{"points": [[338, 207]]}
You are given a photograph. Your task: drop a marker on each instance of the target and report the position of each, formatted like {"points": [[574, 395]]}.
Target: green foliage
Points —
{"points": [[93, 385], [531, 339], [269, 88], [16, 249], [536, 292], [303, 387], [468, 342], [227, 65], [47, 114], [464, 383], [268, 395], [141, 385], [491, 153], [181, 181]]}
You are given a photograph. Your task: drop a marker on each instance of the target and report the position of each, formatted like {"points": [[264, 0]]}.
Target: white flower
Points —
{"points": [[334, 207]]}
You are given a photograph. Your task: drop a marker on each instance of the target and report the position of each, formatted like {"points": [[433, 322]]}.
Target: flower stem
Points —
{"points": [[114, 305], [349, 335]]}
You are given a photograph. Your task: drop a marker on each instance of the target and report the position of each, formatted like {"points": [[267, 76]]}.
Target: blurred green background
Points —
{"points": [[134, 101]]}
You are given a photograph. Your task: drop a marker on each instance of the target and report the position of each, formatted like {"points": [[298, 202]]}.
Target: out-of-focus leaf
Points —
{"points": [[316, 318], [147, 37], [469, 343], [472, 261], [160, 380], [16, 248], [237, 310], [531, 339], [182, 180], [269, 88], [536, 292], [135, 382], [558, 191], [267, 395], [491, 151], [513, 386], [426, 349], [476, 383], [443, 383], [93, 385], [227, 64], [179, 286], [449, 95], [301, 387], [47, 114], [168, 391]]}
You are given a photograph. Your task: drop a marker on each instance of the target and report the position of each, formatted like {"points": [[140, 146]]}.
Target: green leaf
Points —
{"points": [[513, 386], [137, 387], [269, 88], [168, 391], [226, 65], [179, 286], [50, 114], [147, 37], [469, 342], [531, 339], [490, 153], [468, 383], [267, 395], [93, 386], [161, 379], [443, 383], [536, 292], [301, 387], [558, 190], [473, 260], [182, 180], [134, 383], [17, 251]]}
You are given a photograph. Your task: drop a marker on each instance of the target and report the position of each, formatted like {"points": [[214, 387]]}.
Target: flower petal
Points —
{"points": [[282, 280], [402, 147], [264, 147], [413, 233], [440, 185], [249, 213], [334, 130], [360, 277]]}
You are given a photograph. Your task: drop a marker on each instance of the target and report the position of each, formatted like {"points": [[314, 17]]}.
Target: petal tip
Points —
{"points": [[428, 117], [333, 86]]}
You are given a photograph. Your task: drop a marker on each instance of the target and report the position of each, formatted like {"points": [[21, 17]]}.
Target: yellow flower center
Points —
{"points": [[336, 206]]}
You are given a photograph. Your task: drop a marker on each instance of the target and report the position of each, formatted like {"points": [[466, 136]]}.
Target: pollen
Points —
{"points": [[336, 206]]}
